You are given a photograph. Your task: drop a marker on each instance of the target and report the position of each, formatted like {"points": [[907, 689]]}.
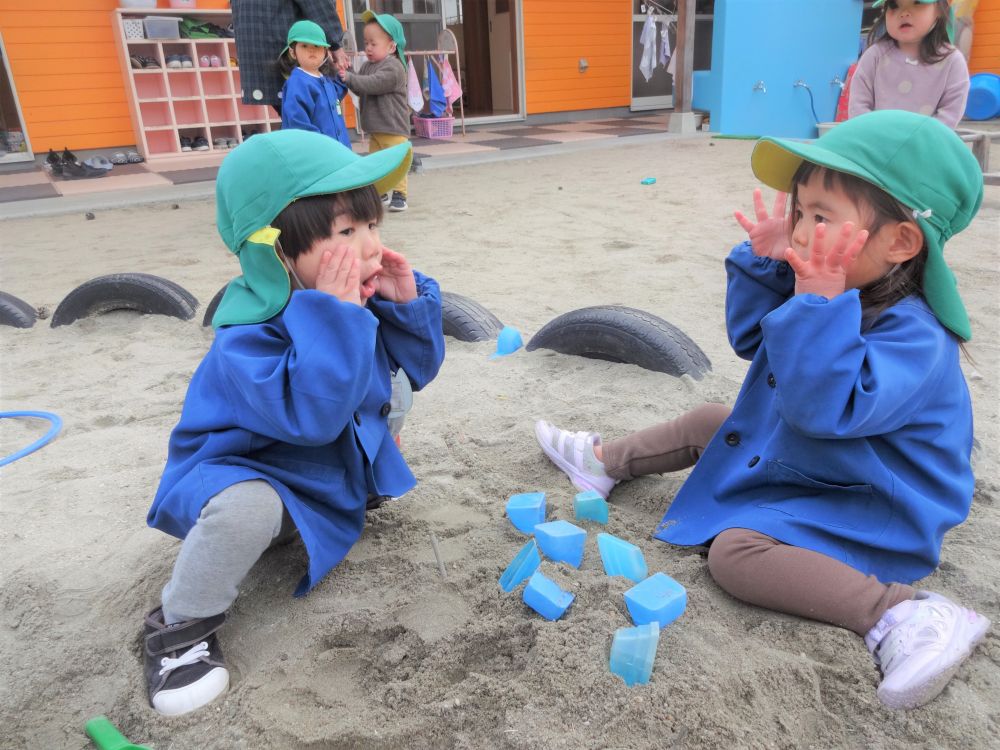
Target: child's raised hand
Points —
{"points": [[824, 272], [396, 282], [769, 236], [339, 275]]}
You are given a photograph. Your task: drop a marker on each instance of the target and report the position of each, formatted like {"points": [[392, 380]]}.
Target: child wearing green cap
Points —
{"points": [[310, 99], [284, 430], [381, 86], [826, 490], [910, 63]]}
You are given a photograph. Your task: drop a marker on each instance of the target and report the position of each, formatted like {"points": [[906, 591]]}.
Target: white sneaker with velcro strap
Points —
{"points": [[573, 452]]}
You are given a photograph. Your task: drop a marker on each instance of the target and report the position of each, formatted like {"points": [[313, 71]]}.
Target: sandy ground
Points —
{"points": [[387, 653]]}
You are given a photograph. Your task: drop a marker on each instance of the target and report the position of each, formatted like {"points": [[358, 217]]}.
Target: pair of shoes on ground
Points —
{"points": [[67, 165], [573, 453], [919, 644], [179, 61], [222, 143], [395, 202], [183, 662], [197, 144], [126, 157], [143, 63], [210, 61]]}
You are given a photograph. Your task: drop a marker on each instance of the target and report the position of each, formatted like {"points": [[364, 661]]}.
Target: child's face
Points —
{"points": [[378, 43], [309, 57], [815, 203], [361, 237], [908, 21]]}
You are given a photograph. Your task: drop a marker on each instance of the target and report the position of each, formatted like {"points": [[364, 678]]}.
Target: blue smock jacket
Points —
{"points": [[300, 401], [311, 103], [851, 442]]}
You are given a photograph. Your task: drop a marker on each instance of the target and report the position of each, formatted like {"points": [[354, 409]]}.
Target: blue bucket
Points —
{"points": [[984, 97]]}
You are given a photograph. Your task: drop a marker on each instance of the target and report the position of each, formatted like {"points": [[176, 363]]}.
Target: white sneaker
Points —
{"points": [[919, 644], [573, 452]]}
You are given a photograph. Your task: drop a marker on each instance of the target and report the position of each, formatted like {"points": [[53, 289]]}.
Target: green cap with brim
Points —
{"points": [[914, 158], [392, 27], [257, 181], [307, 32]]}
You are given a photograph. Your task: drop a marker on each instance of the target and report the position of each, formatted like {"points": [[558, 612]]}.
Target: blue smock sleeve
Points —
{"points": [[339, 86], [412, 332], [835, 381], [297, 104], [756, 286], [300, 385]]}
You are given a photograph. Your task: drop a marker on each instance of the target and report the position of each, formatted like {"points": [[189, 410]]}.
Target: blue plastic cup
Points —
{"points": [[633, 652]]}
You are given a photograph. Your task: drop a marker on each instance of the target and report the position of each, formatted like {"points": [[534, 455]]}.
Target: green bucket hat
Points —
{"points": [[392, 27], [262, 176], [914, 158], [306, 32]]}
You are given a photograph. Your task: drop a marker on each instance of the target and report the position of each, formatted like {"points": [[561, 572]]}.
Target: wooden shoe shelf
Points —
{"points": [[168, 103]]}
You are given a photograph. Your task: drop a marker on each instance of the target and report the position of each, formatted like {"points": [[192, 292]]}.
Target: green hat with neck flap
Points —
{"points": [[257, 181], [392, 27]]}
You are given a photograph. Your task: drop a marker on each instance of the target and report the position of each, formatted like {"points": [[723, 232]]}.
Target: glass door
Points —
{"points": [[14, 144]]}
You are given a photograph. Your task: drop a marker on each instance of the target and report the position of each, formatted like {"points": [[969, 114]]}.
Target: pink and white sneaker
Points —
{"points": [[919, 644], [573, 452]]}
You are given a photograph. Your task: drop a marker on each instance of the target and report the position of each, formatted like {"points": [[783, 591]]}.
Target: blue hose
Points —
{"points": [[53, 431]]}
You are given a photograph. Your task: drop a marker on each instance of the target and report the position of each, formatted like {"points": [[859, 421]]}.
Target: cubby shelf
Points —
{"points": [[167, 103]]}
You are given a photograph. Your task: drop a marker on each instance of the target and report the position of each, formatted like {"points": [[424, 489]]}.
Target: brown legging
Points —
{"points": [[749, 565]]}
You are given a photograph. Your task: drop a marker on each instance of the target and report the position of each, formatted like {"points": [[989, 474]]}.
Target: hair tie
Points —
{"points": [[925, 214]]}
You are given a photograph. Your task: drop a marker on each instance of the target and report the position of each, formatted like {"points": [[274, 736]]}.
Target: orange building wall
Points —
{"points": [[985, 57], [557, 33]]}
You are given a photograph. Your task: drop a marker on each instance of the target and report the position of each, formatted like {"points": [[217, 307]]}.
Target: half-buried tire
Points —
{"points": [[467, 320], [142, 292], [15, 312], [623, 334], [213, 306]]}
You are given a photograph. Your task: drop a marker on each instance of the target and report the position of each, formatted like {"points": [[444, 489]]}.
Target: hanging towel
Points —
{"points": [[414, 96], [647, 64], [436, 99], [665, 52], [672, 65], [451, 88]]}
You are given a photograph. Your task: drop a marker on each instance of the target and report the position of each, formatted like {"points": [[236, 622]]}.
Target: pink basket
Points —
{"points": [[433, 127]]}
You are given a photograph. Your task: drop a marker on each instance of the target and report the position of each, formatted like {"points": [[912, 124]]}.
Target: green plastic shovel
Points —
{"points": [[107, 737]]}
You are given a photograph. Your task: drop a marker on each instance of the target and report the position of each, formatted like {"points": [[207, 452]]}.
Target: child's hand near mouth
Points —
{"points": [[395, 282]]}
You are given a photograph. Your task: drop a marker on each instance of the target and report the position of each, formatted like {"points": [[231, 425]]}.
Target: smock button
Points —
{"points": [[770, 379], [753, 461], [733, 438], [386, 408], [357, 418]]}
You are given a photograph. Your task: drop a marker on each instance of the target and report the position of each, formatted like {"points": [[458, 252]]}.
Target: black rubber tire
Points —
{"points": [[213, 306], [623, 334], [466, 320], [16, 312], [142, 292]]}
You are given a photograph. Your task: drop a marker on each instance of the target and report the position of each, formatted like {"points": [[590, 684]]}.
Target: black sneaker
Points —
{"points": [[183, 662], [398, 202], [200, 143]]}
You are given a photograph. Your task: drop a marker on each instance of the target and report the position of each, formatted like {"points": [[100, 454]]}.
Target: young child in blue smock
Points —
{"points": [[284, 427], [825, 492], [311, 97]]}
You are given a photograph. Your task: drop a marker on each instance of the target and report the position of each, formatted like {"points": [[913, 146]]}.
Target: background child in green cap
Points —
{"points": [[312, 93], [381, 86], [911, 63], [827, 489], [284, 428]]}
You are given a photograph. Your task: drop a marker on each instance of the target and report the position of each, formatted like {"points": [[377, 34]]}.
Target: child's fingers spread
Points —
{"points": [[779, 203], [743, 220], [758, 204], [817, 250], [795, 261]]}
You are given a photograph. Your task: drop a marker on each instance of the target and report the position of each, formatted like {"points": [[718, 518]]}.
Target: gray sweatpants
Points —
{"points": [[234, 529]]}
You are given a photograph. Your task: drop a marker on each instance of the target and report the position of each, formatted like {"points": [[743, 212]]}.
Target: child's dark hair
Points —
{"points": [[286, 64], [934, 47], [904, 280], [307, 220]]}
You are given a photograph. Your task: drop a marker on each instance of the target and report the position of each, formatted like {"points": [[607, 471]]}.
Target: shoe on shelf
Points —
{"points": [[204, 61], [200, 143], [215, 61], [919, 644], [184, 666], [233, 62], [398, 202], [186, 61], [174, 61], [573, 453], [221, 143], [135, 61], [186, 143], [233, 143], [149, 63]]}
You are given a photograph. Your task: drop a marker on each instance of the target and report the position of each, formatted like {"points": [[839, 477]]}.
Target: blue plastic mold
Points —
{"points": [[526, 511], [525, 562], [508, 341], [545, 597], [658, 599], [621, 558], [561, 541], [633, 652], [984, 97], [589, 505]]}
